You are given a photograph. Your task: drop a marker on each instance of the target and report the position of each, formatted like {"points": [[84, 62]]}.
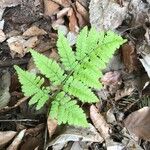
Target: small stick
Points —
{"points": [[5, 109]]}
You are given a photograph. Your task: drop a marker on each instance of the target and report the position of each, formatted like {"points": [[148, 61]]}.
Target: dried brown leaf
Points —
{"points": [[73, 24], [81, 21], [18, 45], [99, 122], [50, 8], [76, 134], [138, 123], [5, 109], [129, 57], [52, 125], [82, 11], [34, 31], [63, 12], [6, 136], [14, 145], [57, 23]]}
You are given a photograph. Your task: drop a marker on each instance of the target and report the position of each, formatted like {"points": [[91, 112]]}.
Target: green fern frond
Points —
{"points": [[93, 52], [48, 67], [110, 43], [93, 39], [82, 44], [66, 53], [66, 110], [79, 90], [89, 78], [32, 86]]}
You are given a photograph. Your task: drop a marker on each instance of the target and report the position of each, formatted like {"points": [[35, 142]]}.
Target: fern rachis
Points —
{"points": [[93, 51]]}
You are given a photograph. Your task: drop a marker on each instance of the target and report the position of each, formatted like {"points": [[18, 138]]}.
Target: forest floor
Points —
{"points": [[121, 118]]}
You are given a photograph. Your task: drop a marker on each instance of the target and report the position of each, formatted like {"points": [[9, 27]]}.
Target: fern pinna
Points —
{"points": [[77, 74]]}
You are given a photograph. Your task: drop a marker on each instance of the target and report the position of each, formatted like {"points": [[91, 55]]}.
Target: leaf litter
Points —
{"points": [[124, 104]]}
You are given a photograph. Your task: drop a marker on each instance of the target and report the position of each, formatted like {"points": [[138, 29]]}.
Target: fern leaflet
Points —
{"points": [[48, 67], [78, 89], [82, 44], [32, 86], [66, 53], [66, 110]]}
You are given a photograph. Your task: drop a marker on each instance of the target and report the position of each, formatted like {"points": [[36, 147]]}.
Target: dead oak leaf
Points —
{"points": [[73, 24], [34, 31], [138, 123], [50, 8]]}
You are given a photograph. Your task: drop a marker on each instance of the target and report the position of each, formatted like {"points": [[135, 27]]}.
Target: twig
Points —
{"points": [[5, 109]]}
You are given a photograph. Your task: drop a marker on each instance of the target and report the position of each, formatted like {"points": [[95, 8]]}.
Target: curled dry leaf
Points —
{"points": [[18, 45], [14, 145], [76, 134], [2, 36], [81, 21], [50, 8], [57, 23], [73, 24], [63, 12], [5, 109], [111, 117], [129, 57], [52, 125], [82, 11], [34, 31], [99, 122], [6, 136], [138, 123]]}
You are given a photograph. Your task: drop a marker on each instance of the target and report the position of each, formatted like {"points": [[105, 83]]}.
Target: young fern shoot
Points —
{"points": [[93, 52]]}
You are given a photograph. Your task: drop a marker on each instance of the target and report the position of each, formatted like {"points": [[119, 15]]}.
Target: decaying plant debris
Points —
{"points": [[126, 94]]}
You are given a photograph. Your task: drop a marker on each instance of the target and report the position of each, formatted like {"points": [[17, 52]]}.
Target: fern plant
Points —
{"points": [[76, 75]]}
